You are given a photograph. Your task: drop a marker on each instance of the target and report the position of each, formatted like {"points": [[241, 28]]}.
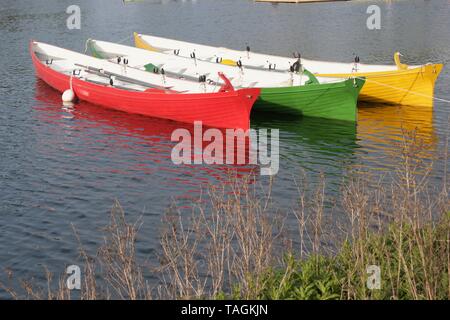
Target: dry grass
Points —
{"points": [[234, 239], [402, 226], [234, 244], [114, 264]]}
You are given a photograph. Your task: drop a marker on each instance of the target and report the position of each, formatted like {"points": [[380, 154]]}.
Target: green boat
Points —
{"points": [[328, 100], [294, 92]]}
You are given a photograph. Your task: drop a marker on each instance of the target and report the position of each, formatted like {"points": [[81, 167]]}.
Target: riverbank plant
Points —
{"points": [[235, 244]]}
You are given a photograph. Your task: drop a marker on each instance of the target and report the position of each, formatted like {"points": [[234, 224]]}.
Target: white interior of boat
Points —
{"points": [[259, 60], [193, 68], [102, 71]]}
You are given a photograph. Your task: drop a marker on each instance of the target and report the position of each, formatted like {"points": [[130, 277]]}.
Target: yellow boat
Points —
{"points": [[412, 86], [399, 83]]}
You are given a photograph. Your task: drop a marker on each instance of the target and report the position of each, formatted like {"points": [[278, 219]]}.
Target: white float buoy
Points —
{"points": [[68, 96]]}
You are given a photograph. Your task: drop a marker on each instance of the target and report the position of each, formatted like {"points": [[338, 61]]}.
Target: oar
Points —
{"points": [[178, 75], [115, 86], [122, 77]]}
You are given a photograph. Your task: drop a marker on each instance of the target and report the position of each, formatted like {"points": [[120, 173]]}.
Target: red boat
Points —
{"points": [[120, 87]]}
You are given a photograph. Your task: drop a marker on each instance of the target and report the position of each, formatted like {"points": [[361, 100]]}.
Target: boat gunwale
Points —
{"points": [[399, 72], [340, 74], [314, 87]]}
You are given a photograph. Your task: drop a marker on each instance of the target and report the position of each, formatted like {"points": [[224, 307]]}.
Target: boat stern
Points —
{"points": [[142, 44]]}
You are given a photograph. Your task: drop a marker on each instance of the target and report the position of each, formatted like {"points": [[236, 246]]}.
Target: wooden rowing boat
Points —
{"points": [[298, 91], [121, 87], [392, 84]]}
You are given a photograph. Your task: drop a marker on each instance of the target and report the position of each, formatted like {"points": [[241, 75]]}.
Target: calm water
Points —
{"points": [[60, 166]]}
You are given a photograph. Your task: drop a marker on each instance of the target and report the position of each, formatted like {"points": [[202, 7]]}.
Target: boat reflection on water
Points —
{"points": [[125, 143], [132, 142], [310, 146], [332, 147], [381, 128], [311, 142]]}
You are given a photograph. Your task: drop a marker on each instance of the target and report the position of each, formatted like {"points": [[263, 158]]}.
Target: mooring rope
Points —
{"points": [[405, 90]]}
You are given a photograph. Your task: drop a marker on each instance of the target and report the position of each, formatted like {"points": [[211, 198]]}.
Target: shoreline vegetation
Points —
{"points": [[235, 244]]}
